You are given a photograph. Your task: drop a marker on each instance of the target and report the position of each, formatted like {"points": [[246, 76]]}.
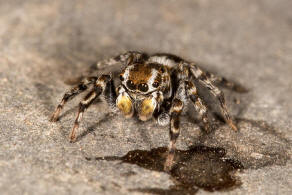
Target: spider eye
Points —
{"points": [[131, 85], [121, 78], [155, 84], [143, 87]]}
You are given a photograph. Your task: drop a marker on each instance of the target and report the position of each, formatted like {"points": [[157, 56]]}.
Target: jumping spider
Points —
{"points": [[155, 86]]}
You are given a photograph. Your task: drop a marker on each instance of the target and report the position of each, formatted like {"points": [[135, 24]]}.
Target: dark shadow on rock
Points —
{"points": [[198, 167], [173, 190], [236, 99], [226, 83], [146, 136], [256, 144], [75, 108], [265, 127], [207, 167], [272, 145], [105, 118]]}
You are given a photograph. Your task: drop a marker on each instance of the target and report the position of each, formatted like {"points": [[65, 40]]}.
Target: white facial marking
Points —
{"points": [[154, 73], [127, 72], [121, 90]]}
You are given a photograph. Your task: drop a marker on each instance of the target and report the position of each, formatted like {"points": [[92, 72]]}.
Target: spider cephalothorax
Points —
{"points": [[155, 86], [143, 87]]}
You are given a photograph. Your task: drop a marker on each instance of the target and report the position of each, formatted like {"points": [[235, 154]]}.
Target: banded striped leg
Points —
{"points": [[99, 88], [110, 64], [110, 93], [127, 57], [199, 105], [201, 76], [69, 95], [226, 83], [162, 116], [174, 131]]}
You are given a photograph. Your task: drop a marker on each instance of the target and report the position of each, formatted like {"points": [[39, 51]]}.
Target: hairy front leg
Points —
{"points": [[174, 131], [83, 105], [69, 95], [124, 58], [98, 89], [174, 128], [222, 81], [217, 93], [199, 104]]}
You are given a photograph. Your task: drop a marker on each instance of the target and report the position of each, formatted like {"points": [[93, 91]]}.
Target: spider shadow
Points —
{"points": [[237, 103], [206, 167], [262, 139], [144, 133], [75, 109], [90, 129]]}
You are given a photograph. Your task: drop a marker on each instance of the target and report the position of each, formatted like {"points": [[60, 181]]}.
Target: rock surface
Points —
{"points": [[43, 44]]}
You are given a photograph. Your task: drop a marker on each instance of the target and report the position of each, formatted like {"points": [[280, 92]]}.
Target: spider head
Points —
{"points": [[140, 81], [141, 78]]}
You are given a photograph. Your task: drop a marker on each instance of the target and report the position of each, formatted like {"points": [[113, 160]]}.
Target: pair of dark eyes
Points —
{"points": [[141, 87]]}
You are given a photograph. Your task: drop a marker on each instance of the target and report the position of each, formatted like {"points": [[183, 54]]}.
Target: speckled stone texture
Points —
{"points": [[43, 44]]}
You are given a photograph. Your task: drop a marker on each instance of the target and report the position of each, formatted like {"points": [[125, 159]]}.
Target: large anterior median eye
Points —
{"points": [[131, 85], [143, 87]]}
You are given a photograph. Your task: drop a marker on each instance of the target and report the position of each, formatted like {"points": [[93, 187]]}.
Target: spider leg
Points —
{"points": [[225, 83], [110, 94], [124, 58], [69, 95], [172, 61], [99, 88], [199, 104], [202, 77], [174, 130]]}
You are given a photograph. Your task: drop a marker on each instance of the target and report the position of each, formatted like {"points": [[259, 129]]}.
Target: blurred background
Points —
{"points": [[45, 43]]}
